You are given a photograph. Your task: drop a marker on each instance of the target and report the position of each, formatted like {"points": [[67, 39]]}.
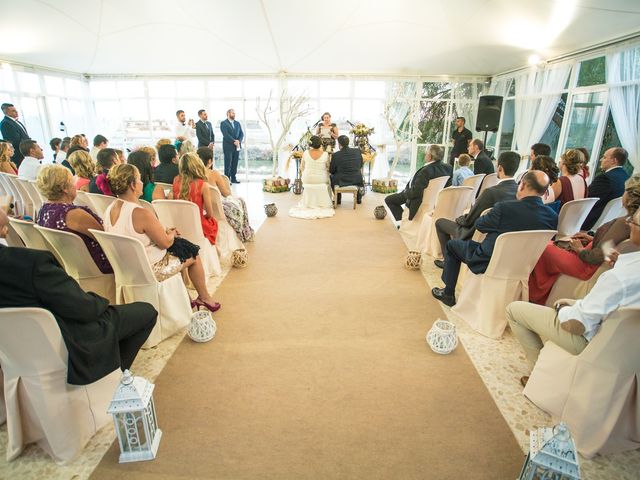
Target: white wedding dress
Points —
{"points": [[316, 200]]}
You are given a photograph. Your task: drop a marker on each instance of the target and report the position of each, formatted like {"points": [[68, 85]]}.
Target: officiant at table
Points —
{"points": [[328, 132], [346, 167]]}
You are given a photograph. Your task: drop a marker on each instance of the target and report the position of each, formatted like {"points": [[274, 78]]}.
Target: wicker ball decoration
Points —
{"points": [[270, 209], [442, 337], [240, 258], [413, 260], [380, 212], [202, 327]]}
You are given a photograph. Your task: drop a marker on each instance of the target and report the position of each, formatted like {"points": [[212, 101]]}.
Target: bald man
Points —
{"points": [[528, 212]]}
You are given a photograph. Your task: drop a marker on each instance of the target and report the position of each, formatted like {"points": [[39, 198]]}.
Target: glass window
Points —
{"points": [[131, 88], [340, 111], [56, 115], [436, 90], [257, 143], [369, 112], [28, 82], [109, 118], [31, 115], [335, 88], [584, 118], [103, 89], [512, 88], [161, 88], [190, 88], [432, 120], [551, 135], [163, 118], [592, 72], [74, 88], [463, 90], [260, 88], [6, 78], [308, 88], [54, 85], [508, 124], [610, 139], [75, 115], [225, 88], [369, 89], [403, 167]]}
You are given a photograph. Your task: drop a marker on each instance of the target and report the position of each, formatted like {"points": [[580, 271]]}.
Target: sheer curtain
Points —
{"points": [[537, 95], [622, 68]]}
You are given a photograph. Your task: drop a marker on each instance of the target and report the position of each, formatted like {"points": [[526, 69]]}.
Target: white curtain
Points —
{"points": [[537, 95], [624, 67]]}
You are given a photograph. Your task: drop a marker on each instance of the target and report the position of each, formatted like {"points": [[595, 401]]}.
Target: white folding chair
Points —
{"points": [[612, 210], [167, 188], [33, 200], [227, 240], [572, 216], [484, 297], [474, 181], [13, 239], [147, 205], [429, 196], [489, 181], [28, 233], [184, 216], [78, 263], [7, 184], [37, 197], [135, 282], [82, 200], [97, 202], [25, 199], [450, 204], [41, 406]]}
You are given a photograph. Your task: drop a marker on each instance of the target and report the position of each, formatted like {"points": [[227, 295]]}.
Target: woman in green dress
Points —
{"points": [[142, 161]]}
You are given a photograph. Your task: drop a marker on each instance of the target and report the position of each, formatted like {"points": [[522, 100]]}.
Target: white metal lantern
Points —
{"points": [[134, 416], [442, 337], [552, 455], [202, 327]]}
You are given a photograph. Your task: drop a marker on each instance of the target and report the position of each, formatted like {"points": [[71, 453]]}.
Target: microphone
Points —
{"points": [[350, 124]]}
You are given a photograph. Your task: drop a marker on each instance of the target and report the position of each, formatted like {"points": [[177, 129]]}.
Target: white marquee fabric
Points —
{"points": [[426, 37]]}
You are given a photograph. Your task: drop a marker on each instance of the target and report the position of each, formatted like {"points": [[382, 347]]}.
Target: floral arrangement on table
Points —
{"points": [[361, 130], [297, 154], [385, 185], [275, 185]]}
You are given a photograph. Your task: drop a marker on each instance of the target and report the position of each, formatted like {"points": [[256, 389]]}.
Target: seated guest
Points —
{"points": [[433, 167], [78, 142], [526, 213], [571, 185], [6, 165], [107, 158], [55, 143], [84, 167], [153, 155], [192, 185], [163, 141], [142, 161], [608, 185], [56, 185], [167, 171], [121, 155], [32, 161], [583, 255], [99, 337], [99, 142], [537, 149], [168, 253], [574, 323], [61, 155], [584, 171], [482, 163], [547, 165], [235, 208], [346, 167], [186, 147], [464, 226], [463, 172]]}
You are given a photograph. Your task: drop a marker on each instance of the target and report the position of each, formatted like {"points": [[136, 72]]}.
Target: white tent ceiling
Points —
{"points": [[426, 37]]}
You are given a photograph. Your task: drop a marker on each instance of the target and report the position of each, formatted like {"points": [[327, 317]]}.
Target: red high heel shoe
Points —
{"points": [[212, 308]]}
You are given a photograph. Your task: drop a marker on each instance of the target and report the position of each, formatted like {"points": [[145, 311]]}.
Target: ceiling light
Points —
{"points": [[534, 60]]}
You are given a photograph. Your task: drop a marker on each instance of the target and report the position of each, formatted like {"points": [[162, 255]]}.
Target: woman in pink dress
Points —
{"points": [[85, 169]]}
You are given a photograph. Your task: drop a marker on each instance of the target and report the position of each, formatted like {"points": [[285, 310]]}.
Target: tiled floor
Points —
{"points": [[500, 364]]}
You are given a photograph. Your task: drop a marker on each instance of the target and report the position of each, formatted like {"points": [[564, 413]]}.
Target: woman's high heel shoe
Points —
{"points": [[194, 304], [211, 307]]}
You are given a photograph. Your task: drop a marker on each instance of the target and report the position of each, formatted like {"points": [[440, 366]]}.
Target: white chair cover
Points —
{"points": [[41, 407], [22, 194], [572, 216], [185, 216], [82, 200], [596, 393], [78, 263], [97, 202], [429, 196], [13, 239], [32, 200], [489, 181], [484, 297], [29, 235], [36, 196], [613, 209], [147, 205], [450, 204], [135, 282], [474, 181], [227, 240], [7, 184]]}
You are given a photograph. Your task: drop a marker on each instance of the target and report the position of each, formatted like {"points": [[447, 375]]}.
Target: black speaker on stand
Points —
{"points": [[488, 117]]}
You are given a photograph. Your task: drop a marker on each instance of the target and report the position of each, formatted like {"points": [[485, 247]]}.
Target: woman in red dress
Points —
{"points": [[191, 184]]}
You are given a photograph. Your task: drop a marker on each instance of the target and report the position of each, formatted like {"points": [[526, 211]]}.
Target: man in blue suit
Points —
{"points": [[528, 212], [13, 131], [608, 185], [232, 136]]}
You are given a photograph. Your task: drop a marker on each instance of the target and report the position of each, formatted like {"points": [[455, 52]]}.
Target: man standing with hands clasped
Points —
{"points": [[232, 136], [204, 130]]}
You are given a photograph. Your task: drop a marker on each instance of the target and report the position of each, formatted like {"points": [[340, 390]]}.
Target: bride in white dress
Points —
{"points": [[316, 200]]}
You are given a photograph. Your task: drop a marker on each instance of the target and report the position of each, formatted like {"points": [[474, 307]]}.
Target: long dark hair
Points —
{"points": [[142, 161]]}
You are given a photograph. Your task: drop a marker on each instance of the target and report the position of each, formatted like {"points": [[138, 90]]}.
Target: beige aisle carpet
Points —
{"points": [[320, 370]]}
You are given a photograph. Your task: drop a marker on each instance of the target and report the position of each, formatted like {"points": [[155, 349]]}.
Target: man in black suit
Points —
{"points": [[464, 226], [482, 162], [434, 167], [13, 131], [346, 166], [608, 185], [99, 337], [204, 130], [528, 212]]}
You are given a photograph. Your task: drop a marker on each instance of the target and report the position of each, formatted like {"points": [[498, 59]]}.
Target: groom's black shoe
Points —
{"points": [[448, 300], [339, 200], [235, 180], [439, 263]]}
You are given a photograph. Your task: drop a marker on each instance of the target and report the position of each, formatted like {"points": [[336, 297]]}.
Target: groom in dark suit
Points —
{"points": [[232, 136], [528, 212], [434, 167], [204, 130], [13, 131], [346, 166]]}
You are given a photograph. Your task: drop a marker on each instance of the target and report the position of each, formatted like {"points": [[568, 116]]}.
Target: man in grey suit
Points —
{"points": [[463, 226], [204, 130]]}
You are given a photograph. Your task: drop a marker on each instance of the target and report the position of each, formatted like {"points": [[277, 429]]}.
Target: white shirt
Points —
{"points": [[61, 156], [29, 168], [93, 153], [615, 288], [184, 130]]}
